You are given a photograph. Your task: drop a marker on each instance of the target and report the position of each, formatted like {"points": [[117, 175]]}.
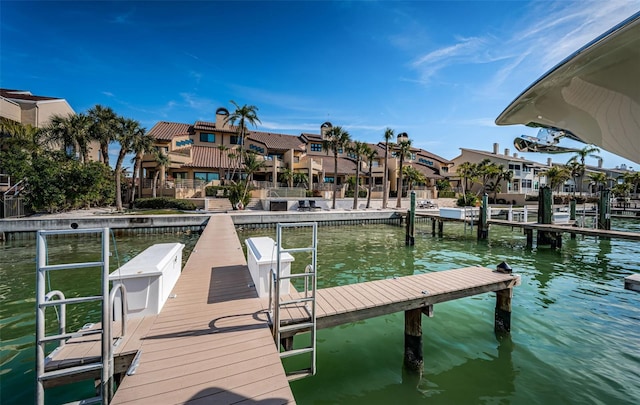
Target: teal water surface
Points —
{"points": [[575, 331], [574, 340], [17, 304]]}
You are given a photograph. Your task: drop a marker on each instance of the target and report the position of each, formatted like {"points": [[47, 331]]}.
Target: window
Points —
{"points": [[184, 142], [352, 155], [526, 183], [375, 163], [180, 175], [256, 149], [316, 147], [413, 156], [236, 140], [328, 179], [425, 161], [340, 150], [207, 137], [206, 176], [514, 167], [526, 169]]}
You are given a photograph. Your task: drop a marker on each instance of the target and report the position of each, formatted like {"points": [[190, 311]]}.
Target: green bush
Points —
{"points": [[470, 200], [164, 203], [212, 191], [350, 194], [447, 194]]}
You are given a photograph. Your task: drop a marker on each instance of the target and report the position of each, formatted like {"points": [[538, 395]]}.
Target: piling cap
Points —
{"points": [[504, 268]]}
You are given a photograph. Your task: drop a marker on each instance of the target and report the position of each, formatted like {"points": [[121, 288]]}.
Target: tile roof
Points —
{"points": [[211, 126], [208, 157], [345, 166], [503, 157], [277, 142], [312, 137], [429, 172], [164, 130], [24, 95]]}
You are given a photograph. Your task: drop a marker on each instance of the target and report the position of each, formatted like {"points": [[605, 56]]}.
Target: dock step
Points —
{"points": [[296, 301], [63, 372], [296, 326], [295, 352], [299, 374]]}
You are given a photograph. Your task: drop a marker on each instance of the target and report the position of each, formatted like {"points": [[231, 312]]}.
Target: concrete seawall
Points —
{"points": [[25, 228]]}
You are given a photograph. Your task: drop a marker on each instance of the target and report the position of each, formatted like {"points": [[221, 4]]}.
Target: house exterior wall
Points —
{"points": [[10, 110]]}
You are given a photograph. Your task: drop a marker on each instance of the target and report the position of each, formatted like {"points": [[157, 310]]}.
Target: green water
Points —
{"points": [[575, 330], [17, 305]]}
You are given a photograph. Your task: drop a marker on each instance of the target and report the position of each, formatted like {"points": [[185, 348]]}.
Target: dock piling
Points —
{"points": [[483, 226], [413, 359], [502, 323], [604, 205], [545, 215], [410, 239]]}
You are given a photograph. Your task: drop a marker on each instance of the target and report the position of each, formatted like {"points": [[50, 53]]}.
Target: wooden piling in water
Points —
{"points": [[409, 239], [604, 210], [545, 214], [413, 359], [483, 226], [502, 322]]}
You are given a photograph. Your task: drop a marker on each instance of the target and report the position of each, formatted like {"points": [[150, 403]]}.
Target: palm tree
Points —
{"points": [[557, 175], [467, 171], [286, 176], [357, 150], [388, 136], [413, 176], [140, 146], [300, 178], [221, 150], [633, 178], [486, 170], [127, 132], [404, 148], [251, 165], [247, 114], [71, 134], [501, 173], [103, 128], [370, 154], [576, 169], [335, 140], [26, 137], [589, 150], [598, 178], [162, 161]]}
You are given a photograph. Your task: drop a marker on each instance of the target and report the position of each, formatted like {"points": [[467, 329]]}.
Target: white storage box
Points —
{"points": [[149, 278], [261, 258], [459, 213]]}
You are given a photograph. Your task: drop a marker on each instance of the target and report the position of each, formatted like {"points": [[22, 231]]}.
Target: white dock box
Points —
{"points": [[149, 278], [459, 213], [261, 258]]}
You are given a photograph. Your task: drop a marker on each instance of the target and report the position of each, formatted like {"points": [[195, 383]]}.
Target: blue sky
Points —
{"points": [[440, 71]]}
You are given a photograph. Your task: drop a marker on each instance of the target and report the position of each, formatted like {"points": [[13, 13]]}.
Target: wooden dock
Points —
{"points": [[569, 229], [356, 302], [212, 342]]}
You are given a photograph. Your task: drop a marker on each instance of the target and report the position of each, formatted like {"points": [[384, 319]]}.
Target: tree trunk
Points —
{"points": [[385, 179], [357, 190], [118, 190], [335, 178], [369, 190], [399, 187]]}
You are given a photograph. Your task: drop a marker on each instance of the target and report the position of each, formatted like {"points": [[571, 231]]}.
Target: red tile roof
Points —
{"points": [[429, 172], [208, 157], [345, 166], [277, 142], [165, 131], [211, 126]]}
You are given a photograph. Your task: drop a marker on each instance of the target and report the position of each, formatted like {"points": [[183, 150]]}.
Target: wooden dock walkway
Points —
{"points": [[356, 302], [569, 229], [211, 344]]}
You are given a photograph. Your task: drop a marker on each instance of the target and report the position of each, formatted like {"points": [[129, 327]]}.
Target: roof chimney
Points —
{"points": [[496, 147], [324, 128], [549, 162], [599, 163], [515, 155], [506, 151], [222, 114]]}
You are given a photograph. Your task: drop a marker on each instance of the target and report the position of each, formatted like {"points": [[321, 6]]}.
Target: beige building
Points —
{"points": [[28, 109]]}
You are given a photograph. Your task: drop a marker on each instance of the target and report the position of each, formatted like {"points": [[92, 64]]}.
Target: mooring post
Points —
{"points": [[440, 227], [433, 227], [529, 233], [413, 359], [572, 214], [545, 214], [604, 209], [409, 239], [502, 323], [483, 226]]}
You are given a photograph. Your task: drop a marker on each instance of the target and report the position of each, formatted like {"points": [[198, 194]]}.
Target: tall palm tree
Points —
{"points": [[404, 148], [70, 133], [501, 174], [412, 176], [27, 137], [370, 154], [357, 150], [104, 122], [335, 140], [140, 146], [247, 114], [127, 131], [467, 171], [163, 162], [252, 165], [582, 154], [486, 170], [633, 178], [598, 178], [388, 136], [557, 175], [221, 151], [286, 176], [576, 170]]}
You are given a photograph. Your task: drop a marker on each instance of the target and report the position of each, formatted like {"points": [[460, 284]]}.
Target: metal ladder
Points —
{"points": [[308, 300], [44, 300]]}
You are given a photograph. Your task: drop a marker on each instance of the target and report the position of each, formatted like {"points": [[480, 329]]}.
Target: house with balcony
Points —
{"points": [[527, 175]]}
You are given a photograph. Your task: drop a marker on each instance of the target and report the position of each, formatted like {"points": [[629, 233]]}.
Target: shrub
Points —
{"points": [[470, 200], [164, 203], [447, 194], [212, 191]]}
